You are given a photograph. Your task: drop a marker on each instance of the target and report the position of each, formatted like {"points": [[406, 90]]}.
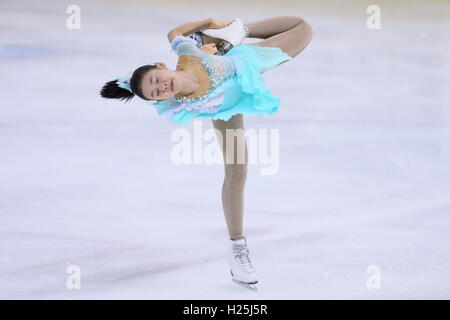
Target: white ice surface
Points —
{"points": [[364, 160]]}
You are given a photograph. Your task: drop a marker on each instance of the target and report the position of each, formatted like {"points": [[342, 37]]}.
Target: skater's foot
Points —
{"points": [[222, 46], [240, 265], [234, 33]]}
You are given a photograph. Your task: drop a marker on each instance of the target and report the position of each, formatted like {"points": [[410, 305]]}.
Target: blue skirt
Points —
{"points": [[249, 93], [246, 92]]}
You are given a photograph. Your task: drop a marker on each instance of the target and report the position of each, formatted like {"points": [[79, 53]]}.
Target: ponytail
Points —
{"points": [[112, 90]]}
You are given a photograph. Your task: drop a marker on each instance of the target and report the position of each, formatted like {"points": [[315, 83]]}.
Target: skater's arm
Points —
{"points": [[209, 48], [188, 28]]}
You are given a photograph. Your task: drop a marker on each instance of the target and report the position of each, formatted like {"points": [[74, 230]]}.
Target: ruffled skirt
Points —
{"points": [[248, 94]]}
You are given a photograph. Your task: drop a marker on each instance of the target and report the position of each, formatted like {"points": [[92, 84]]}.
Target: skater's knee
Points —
{"points": [[305, 32], [235, 174], [297, 20], [299, 39], [289, 21], [307, 29]]}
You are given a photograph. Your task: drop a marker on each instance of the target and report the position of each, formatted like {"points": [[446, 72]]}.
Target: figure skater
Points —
{"points": [[219, 77]]}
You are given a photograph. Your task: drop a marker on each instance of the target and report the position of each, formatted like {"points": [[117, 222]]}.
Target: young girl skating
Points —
{"points": [[218, 77]]}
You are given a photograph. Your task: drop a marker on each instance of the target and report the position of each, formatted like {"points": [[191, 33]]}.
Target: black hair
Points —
{"points": [[111, 89]]}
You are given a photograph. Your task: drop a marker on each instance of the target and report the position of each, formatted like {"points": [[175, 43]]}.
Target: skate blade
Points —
{"points": [[251, 286], [246, 285]]}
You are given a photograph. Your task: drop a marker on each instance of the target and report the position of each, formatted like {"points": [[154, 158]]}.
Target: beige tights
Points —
{"points": [[290, 34], [235, 171]]}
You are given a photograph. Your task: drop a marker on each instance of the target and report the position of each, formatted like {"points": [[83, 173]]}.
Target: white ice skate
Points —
{"points": [[234, 33], [241, 267]]}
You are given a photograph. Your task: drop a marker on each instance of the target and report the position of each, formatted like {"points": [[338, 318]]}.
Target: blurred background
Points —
{"points": [[364, 175]]}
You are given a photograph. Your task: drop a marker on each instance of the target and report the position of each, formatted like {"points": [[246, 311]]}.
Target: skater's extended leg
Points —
{"points": [[231, 137], [235, 171], [289, 33]]}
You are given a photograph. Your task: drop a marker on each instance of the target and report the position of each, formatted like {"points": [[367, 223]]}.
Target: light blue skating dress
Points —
{"points": [[236, 83]]}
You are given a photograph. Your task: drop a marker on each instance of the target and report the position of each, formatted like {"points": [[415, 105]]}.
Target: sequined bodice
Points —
{"points": [[218, 68], [216, 75]]}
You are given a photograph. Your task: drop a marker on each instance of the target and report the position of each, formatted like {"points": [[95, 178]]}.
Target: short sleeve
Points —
{"points": [[182, 45], [182, 39]]}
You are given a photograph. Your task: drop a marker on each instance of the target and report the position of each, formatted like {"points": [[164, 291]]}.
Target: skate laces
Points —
{"points": [[241, 257]]}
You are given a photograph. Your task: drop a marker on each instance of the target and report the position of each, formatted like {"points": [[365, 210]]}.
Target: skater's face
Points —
{"points": [[159, 83]]}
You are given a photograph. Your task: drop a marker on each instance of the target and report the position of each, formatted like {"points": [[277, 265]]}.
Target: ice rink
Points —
{"points": [[364, 173]]}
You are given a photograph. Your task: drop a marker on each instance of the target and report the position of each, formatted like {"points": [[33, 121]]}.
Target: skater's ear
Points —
{"points": [[160, 65]]}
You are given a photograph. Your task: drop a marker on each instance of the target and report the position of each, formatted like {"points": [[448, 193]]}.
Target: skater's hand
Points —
{"points": [[209, 48], [215, 24]]}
